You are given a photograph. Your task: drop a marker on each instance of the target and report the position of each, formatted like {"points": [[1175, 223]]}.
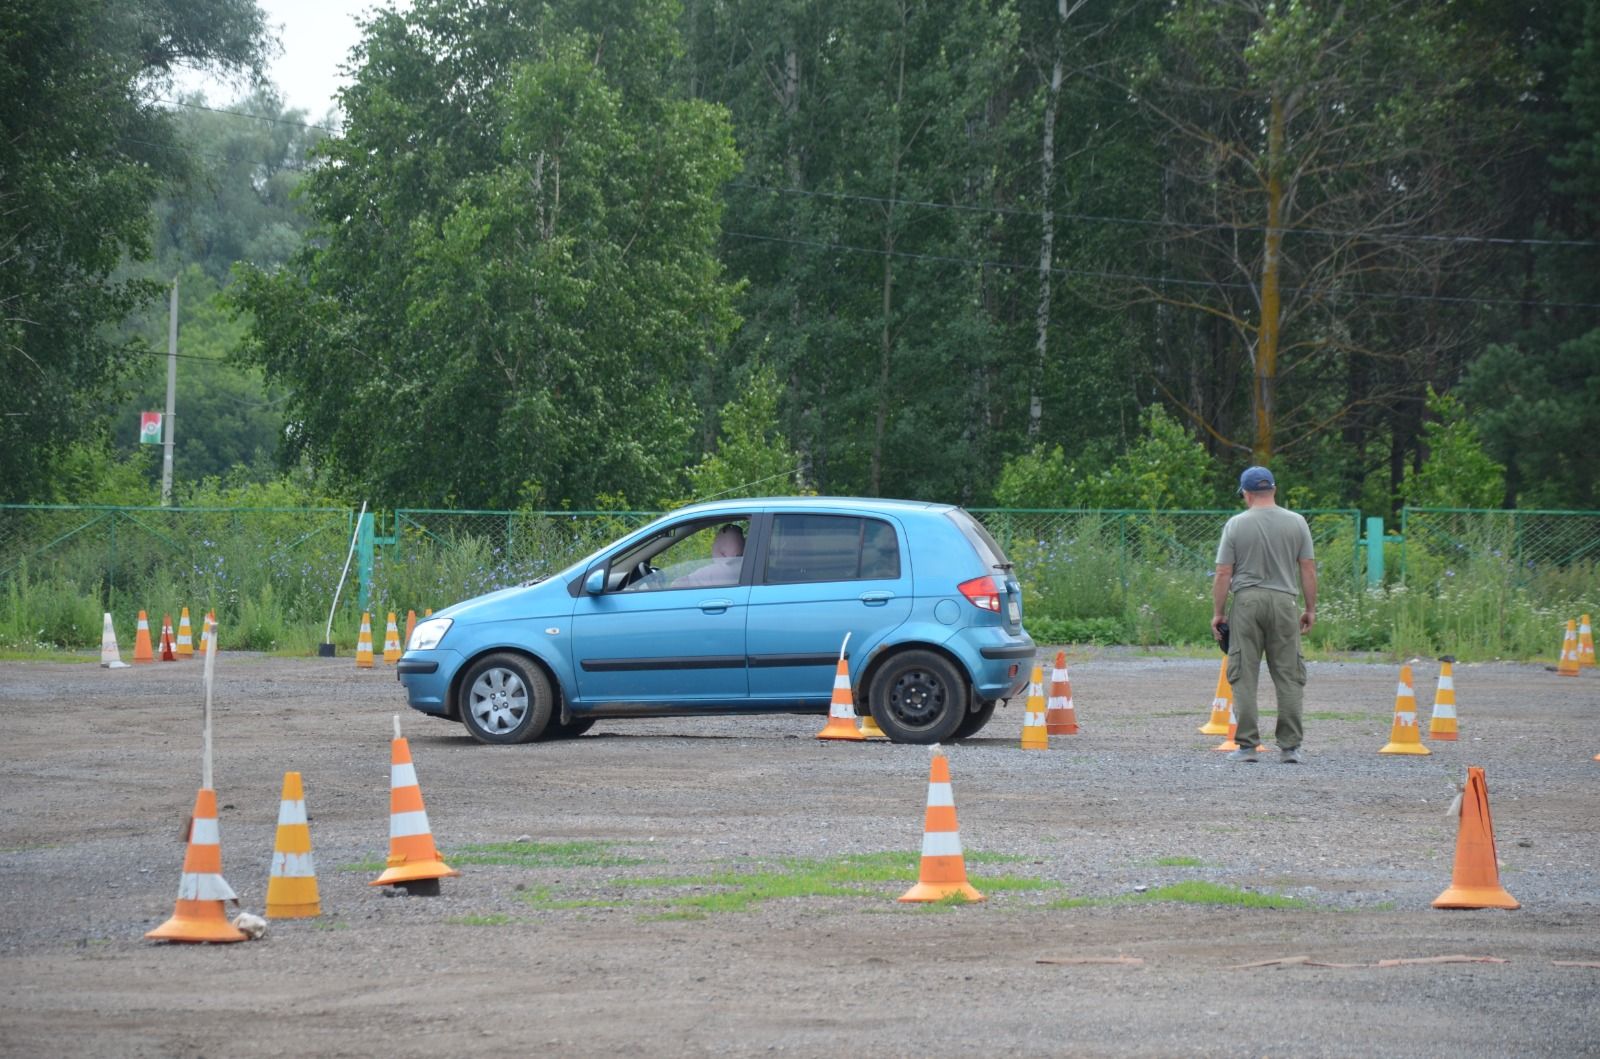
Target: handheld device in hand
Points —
{"points": [[1222, 629]]}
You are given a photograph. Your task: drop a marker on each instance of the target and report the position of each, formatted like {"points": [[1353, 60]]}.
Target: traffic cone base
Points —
{"points": [[943, 872], [841, 708], [199, 914], [1060, 716], [1404, 737], [1221, 705], [292, 888], [1034, 736], [412, 855], [1475, 880]]}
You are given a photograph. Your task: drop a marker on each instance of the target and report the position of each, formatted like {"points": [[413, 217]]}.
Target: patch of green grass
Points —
{"points": [[491, 919], [1179, 862], [1335, 715], [1192, 892], [322, 923], [540, 898], [370, 865], [542, 855], [43, 654]]}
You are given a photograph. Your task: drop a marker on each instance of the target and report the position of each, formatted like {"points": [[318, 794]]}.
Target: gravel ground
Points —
{"points": [[567, 955]]}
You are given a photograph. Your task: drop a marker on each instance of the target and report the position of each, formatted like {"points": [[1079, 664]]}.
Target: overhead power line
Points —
{"points": [[1167, 281], [252, 117], [1013, 211]]}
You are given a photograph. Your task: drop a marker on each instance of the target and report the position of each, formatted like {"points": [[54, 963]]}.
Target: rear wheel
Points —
{"points": [[974, 721], [918, 697], [505, 698]]}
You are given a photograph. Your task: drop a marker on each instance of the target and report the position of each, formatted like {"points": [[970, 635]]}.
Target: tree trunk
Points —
{"points": [[1047, 235], [1266, 388]]}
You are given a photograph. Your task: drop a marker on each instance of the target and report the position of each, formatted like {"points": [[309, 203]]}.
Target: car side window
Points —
{"points": [[831, 548]]}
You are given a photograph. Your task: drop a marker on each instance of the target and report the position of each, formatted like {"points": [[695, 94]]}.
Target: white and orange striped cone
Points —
{"points": [[110, 656], [943, 871], [1230, 743], [364, 642], [411, 627], [185, 636], [199, 915], [414, 860], [1567, 667], [1221, 705], [391, 641], [1034, 736], [1442, 725], [842, 707], [292, 888], [1404, 735], [428, 613], [1585, 642], [870, 729], [142, 653], [207, 629], [1475, 880], [168, 654], [1060, 716]]}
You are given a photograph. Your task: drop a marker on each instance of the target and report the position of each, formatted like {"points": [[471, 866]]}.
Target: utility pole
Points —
{"points": [[172, 397]]}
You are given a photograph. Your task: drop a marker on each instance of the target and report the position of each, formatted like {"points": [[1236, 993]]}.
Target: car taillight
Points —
{"points": [[982, 593]]}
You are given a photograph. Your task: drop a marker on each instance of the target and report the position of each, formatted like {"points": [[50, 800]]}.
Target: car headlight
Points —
{"points": [[428, 633]]}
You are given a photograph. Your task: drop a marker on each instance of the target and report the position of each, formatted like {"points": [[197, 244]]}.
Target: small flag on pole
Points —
{"points": [[149, 428]]}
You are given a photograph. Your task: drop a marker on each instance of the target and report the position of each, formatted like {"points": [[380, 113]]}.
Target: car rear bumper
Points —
{"points": [[998, 660]]}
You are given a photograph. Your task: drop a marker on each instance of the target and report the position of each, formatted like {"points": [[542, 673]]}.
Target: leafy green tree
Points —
{"points": [[513, 278], [83, 153], [1456, 472], [752, 457], [1165, 469]]}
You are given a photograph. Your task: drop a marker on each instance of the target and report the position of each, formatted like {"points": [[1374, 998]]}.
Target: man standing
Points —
{"points": [[1265, 560]]}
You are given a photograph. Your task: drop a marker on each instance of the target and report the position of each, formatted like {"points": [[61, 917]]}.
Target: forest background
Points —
{"points": [[626, 253]]}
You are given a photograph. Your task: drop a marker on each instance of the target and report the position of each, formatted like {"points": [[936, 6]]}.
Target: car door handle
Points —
{"points": [[876, 599], [715, 606]]}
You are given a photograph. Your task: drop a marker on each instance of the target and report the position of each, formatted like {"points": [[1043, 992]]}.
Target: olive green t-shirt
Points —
{"points": [[1265, 546]]}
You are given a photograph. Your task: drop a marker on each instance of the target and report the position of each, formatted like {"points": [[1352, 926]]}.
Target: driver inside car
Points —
{"points": [[727, 556]]}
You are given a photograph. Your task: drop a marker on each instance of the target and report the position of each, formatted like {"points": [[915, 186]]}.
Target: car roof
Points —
{"points": [[862, 504]]}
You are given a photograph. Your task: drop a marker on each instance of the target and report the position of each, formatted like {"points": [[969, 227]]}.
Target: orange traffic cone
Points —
{"points": [[1585, 642], [414, 860], [841, 709], [167, 652], [141, 642], [411, 627], [1060, 716], [207, 630], [1404, 736], [1034, 736], [943, 872], [292, 888], [1567, 667], [199, 915], [185, 636], [1475, 883], [1221, 706], [1442, 725], [428, 613], [1231, 742], [110, 656], [391, 641], [364, 642]]}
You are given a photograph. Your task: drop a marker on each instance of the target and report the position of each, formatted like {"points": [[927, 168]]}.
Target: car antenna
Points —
{"points": [[746, 485]]}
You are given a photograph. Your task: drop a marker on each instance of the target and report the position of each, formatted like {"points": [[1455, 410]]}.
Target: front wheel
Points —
{"points": [[918, 697], [505, 699]]}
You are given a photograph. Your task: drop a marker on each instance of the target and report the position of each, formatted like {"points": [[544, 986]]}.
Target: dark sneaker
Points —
{"points": [[1244, 753], [1289, 756]]}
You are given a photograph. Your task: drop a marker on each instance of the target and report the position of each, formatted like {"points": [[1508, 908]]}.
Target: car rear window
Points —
{"points": [[977, 535], [831, 548]]}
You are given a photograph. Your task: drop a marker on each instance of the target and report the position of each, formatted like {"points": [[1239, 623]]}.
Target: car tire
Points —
{"points": [[505, 698], [974, 721], [571, 730], [918, 697]]}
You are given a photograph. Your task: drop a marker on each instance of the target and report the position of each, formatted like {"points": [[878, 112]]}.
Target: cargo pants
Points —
{"points": [[1265, 622]]}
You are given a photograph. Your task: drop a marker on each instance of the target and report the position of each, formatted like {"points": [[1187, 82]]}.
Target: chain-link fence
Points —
{"points": [[1525, 545], [60, 566]]}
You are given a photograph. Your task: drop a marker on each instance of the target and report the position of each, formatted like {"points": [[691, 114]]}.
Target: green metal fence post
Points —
{"points": [[1374, 551], [364, 552]]}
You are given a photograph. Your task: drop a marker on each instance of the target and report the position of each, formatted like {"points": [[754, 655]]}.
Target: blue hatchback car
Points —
{"points": [[741, 606]]}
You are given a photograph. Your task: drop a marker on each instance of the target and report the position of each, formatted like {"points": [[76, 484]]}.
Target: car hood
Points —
{"points": [[523, 601]]}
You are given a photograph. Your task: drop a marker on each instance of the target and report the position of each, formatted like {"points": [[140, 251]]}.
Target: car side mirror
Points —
{"points": [[595, 583]]}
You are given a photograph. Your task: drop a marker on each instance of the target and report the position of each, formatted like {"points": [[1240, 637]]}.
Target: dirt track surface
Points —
{"points": [[101, 768]]}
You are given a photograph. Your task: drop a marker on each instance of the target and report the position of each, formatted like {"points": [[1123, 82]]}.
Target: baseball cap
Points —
{"points": [[1256, 479]]}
